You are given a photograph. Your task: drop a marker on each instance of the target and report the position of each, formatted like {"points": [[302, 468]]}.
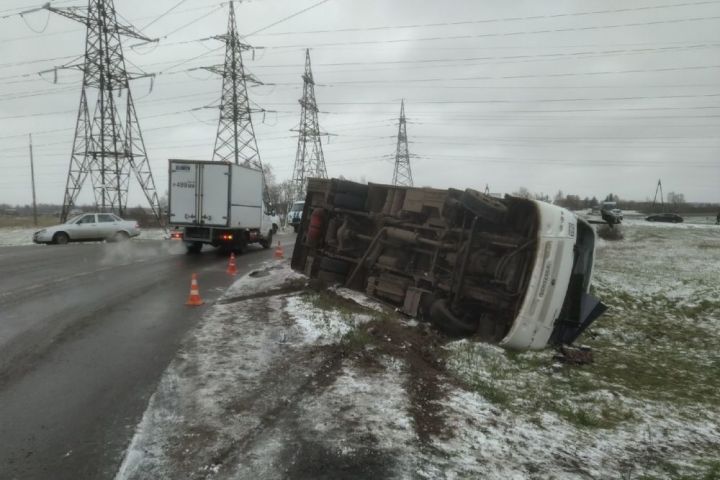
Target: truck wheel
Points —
{"points": [[484, 206], [60, 238], [194, 248], [267, 241], [334, 265], [445, 320], [351, 202]]}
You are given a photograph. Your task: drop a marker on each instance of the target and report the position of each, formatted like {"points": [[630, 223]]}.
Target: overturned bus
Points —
{"points": [[510, 271]]}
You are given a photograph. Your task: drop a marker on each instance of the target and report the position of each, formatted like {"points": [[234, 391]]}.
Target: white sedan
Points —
{"points": [[89, 227]]}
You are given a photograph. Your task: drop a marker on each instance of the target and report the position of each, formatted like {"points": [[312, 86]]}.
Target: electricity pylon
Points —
{"points": [[402, 175], [658, 189], [108, 145], [235, 141], [309, 158]]}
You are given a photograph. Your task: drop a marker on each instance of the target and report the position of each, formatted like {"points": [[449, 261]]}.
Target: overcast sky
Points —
{"points": [[587, 97]]}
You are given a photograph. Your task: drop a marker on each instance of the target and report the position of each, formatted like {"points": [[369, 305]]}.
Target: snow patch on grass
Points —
{"points": [[321, 327], [359, 298], [218, 371], [375, 402]]}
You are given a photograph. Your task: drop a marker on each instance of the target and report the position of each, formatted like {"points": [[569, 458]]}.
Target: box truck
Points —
{"points": [[219, 204]]}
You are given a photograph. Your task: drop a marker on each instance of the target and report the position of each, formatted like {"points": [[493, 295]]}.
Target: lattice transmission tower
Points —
{"points": [[235, 141], [108, 145], [659, 190], [309, 158], [402, 175]]}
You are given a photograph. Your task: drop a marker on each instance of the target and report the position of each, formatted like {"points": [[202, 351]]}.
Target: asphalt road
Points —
{"points": [[86, 331]]}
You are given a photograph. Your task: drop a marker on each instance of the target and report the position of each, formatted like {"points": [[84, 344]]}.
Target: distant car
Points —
{"points": [[610, 213], [665, 217], [89, 227], [295, 215]]}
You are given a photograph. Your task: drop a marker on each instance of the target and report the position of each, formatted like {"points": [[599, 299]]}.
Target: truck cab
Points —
{"points": [[295, 215]]}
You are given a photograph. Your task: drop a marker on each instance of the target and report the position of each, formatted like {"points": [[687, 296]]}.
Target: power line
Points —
{"points": [[64, 32], [537, 100], [498, 20], [508, 34], [192, 22], [164, 14], [552, 56], [573, 162], [544, 75], [284, 19], [421, 62], [549, 144]]}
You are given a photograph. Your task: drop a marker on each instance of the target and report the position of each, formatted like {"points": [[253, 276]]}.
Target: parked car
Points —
{"points": [[665, 217], [295, 215], [89, 227], [610, 213]]}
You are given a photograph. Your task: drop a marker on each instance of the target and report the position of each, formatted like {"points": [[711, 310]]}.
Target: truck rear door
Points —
{"points": [[183, 207], [247, 198], [215, 201]]}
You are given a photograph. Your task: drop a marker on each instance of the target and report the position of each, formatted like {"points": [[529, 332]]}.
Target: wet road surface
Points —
{"points": [[86, 331]]}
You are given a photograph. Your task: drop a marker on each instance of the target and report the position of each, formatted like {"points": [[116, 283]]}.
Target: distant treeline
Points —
{"points": [[574, 202], [675, 203]]}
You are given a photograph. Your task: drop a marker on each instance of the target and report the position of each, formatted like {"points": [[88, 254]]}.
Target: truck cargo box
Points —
{"points": [[214, 194]]}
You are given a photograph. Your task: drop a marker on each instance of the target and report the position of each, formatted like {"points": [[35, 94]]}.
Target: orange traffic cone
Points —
{"points": [[232, 267], [194, 298], [279, 253]]}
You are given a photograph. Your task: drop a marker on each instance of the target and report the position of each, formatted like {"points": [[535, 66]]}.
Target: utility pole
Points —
{"points": [[32, 177], [402, 176], [309, 158], [235, 141], [108, 146]]}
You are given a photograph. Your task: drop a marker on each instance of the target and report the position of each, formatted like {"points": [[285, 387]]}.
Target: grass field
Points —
{"points": [[27, 222], [652, 396], [306, 381]]}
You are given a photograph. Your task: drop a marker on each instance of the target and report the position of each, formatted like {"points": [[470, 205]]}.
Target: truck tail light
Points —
{"points": [[176, 235], [226, 236]]}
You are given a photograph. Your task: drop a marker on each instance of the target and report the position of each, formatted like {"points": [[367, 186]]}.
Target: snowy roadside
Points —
{"points": [[280, 381]]}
